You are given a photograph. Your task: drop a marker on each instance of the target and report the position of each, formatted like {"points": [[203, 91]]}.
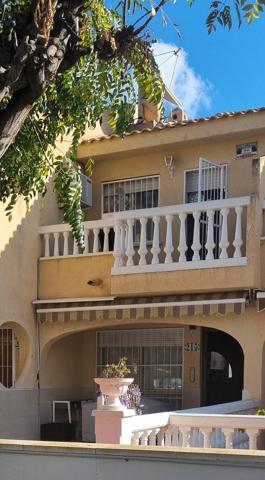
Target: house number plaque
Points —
{"points": [[191, 347]]}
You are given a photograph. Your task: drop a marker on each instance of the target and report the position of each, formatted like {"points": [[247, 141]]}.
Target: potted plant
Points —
{"points": [[113, 384]]}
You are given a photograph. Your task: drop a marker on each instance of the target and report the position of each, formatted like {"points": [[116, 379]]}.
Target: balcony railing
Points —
{"points": [[177, 237], [197, 430]]}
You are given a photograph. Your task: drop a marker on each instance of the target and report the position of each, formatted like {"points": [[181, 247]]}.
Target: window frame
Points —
{"points": [[13, 365], [112, 214], [197, 169], [143, 366]]}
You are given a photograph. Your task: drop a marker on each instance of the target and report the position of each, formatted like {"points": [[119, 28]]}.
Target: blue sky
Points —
{"points": [[224, 71]]}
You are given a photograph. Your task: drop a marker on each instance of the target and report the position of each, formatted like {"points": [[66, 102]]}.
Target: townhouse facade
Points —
{"points": [[172, 275]]}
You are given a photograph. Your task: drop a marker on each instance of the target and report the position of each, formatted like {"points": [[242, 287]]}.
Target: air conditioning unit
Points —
{"points": [[86, 197]]}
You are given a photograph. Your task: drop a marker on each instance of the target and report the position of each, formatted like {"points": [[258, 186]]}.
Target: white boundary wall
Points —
{"points": [[44, 460]]}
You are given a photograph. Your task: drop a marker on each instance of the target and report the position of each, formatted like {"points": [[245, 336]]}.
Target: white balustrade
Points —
{"points": [[210, 235], [224, 243], [106, 231], [182, 248], [155, 250], [123, 240], [199, 431], [194, 428], [211, 243], [169, 240], [86, 239], [238, 242], [143, 249], [65, 243], [117, 245], [47, 244], [130, 243], [75, 248], [56, 244], [196, 245], [96, 240]]}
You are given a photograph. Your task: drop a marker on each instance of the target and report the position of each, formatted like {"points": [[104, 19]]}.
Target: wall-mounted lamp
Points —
{"points": [[169, 163]]}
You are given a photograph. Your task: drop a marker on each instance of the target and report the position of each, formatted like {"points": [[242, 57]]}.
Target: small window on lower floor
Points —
{"points": [[7, 357]]}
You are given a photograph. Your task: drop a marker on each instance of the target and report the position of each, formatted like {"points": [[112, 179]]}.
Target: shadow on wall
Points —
{"points": [[19, 253]]}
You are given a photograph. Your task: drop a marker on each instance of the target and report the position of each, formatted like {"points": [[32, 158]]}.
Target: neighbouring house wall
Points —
{"points": [[19, 252]]}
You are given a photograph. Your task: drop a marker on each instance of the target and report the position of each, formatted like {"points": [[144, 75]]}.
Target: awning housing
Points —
{"points": [[145, 308]]}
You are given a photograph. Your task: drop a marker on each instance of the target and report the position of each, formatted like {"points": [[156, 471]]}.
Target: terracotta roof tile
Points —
{"points": [[173, 124]]}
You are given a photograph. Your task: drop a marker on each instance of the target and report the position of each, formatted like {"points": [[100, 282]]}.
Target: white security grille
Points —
{"points": [[131, 194], [212, 181], [208, 182], [155, 357], [7, 357]]}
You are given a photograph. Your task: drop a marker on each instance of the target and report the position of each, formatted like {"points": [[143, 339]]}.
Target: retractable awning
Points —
{"points": [[145, 308]]}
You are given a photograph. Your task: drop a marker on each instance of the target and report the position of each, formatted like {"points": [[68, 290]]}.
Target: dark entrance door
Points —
{"points": [[223, 368]]}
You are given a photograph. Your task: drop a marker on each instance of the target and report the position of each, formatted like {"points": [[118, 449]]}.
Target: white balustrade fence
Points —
{"points": [[178, 237], [58, 240], [194, 430]]}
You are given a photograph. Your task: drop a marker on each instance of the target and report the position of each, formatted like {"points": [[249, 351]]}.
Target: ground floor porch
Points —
{"points": [[184, 353], [197, 357]]}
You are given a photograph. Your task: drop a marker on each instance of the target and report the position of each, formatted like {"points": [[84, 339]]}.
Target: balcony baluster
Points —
{"points": [[155, 250], [56, 244], [65, 243], [169, 249], [224, 243], [238, 242], [196, 245], [210, 237], [182, 248], [143, 249], [130, 248]]}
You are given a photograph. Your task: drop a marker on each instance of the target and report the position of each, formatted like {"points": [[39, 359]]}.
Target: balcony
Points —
{"points": [[181, 241]]}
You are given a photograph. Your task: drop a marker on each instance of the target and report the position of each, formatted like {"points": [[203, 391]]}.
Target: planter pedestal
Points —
{"points": [[110, 413], [108, 426]]}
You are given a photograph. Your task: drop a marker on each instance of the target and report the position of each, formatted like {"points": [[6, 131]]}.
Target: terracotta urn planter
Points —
{"points": [[112, 389]]}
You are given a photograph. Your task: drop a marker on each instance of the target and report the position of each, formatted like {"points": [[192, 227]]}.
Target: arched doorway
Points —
{"points": [[223, 368]]}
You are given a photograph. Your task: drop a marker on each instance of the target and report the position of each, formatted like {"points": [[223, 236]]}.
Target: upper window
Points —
{"points": [[132, 194], [7, 357], [213, 185]]}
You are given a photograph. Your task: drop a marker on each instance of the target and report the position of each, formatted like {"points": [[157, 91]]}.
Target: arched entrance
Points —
{"points": [[223, 368]]}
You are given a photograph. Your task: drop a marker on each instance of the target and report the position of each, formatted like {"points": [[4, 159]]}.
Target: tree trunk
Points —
{"points": [[13, 117]]}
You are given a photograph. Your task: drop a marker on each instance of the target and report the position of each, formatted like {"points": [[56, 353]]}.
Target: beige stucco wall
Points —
{"points": [[19, 253], [241, 177], [69, 277]]}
